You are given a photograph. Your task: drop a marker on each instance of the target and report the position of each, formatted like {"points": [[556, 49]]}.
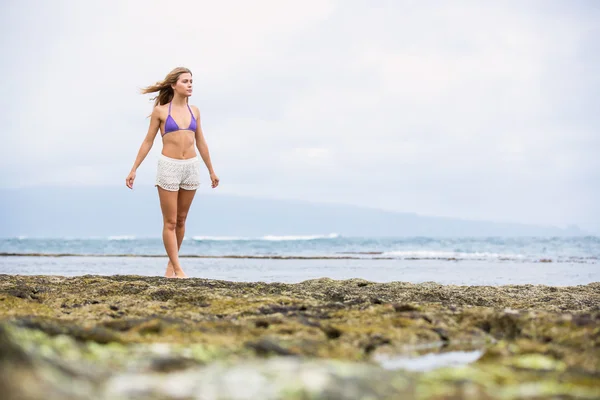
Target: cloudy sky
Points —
{"points": [[471, 109]]}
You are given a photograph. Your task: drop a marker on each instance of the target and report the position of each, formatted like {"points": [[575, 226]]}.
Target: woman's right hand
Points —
{"points": [[129, 180]]}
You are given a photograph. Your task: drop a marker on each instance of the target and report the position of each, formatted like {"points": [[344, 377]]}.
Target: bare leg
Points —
{"points": [[168, 206], [179, 232], [184, 201]]}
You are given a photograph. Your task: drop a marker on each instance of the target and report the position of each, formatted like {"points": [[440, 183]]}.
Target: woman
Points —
{"points": [[178, 174]]}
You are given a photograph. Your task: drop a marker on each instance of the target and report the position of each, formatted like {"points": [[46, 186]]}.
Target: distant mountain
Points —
{"points": [[113, 211]]}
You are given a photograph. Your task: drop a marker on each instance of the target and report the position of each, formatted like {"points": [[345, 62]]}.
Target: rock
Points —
{"points": [[271, 379], [266, 346], [331, 331], [536, 362], [174, 330], [405, 307]]}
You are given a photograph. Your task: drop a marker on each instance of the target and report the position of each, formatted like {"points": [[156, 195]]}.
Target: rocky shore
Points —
{"points": [[133, 337]]}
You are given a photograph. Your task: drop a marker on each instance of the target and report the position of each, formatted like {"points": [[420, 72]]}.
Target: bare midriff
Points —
{"points": [[179, 144]]}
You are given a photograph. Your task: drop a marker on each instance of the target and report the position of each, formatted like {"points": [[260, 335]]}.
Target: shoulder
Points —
{"points": [[159, 111], [195, 110]]}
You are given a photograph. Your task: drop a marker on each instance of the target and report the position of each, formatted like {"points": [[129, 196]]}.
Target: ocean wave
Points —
{"points": [[122, 237], [220, 238], [300, 237], [340, 256], [273, 238], [133, 255], [447, 255]]}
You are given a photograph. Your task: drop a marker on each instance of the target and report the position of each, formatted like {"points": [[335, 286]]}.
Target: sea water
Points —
{"points": [[557, 261]]}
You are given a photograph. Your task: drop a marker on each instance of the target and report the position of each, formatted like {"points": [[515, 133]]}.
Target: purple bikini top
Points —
{"points": [[171, 125]]}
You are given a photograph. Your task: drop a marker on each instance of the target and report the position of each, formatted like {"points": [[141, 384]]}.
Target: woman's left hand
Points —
{"points": [[214, 180]]}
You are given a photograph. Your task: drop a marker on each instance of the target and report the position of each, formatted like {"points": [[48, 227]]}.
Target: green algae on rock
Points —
{"points": [[538, 341]]}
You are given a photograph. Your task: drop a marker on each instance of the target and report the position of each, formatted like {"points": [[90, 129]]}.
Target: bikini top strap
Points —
{"points": [[190, 110], [170, 107]]}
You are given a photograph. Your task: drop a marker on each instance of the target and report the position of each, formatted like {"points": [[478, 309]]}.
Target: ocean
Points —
{"points": [[559, 261]]}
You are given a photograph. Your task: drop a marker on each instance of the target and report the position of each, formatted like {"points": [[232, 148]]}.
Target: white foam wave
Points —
{"points": [[220, 238], [122, 237], [432, 254], [267, 237], [300, 237]]}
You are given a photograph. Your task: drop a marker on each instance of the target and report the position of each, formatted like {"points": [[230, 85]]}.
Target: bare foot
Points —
{"points": [[180, 274], [170, 272]]}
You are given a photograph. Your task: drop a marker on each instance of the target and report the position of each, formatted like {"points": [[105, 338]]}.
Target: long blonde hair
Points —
{"points": [[164, 89]]}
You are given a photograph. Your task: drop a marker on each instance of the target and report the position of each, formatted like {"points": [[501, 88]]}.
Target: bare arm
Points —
{"points": [[149, 139], [201, 143], [203, 149], [146, 145]]}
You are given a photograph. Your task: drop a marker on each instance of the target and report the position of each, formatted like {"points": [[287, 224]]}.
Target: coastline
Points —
{"points": [[528, 334]]}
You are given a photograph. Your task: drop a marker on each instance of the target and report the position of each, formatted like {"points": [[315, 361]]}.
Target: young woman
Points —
{"points": [[178, 175]]}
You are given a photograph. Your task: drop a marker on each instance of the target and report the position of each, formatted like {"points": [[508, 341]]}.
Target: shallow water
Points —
{"points": [[464, 272], [429, 361], [492, 249]]}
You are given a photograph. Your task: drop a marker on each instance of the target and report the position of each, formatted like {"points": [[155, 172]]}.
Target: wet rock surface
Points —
{"points": [[133, 337]]}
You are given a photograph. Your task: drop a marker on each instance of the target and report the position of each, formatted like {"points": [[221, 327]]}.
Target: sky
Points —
{"points": [[479, 110]]}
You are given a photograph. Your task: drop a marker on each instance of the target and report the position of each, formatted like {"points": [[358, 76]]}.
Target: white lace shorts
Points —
{"points": [[173, 174]]}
